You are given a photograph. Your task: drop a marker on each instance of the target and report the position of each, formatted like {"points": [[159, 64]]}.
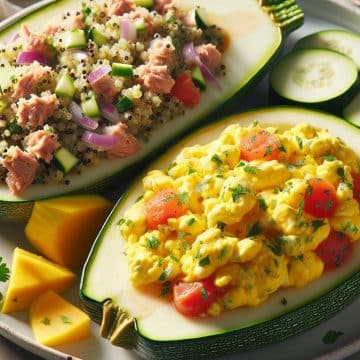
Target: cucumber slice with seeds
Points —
{"points": [[343, 41], [317, 78], [352, 111]]}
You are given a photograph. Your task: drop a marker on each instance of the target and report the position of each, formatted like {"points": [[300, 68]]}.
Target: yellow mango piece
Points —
{"points": [[63, 229], [32, 275], [54, 321]]}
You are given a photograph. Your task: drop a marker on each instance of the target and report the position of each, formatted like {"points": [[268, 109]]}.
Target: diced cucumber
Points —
{"points": [[65, 86], [75, 39], [119, 69], [140, 26], [319, 78], [343, 41], [201, 18], [124, 104], [198, 78], [352, 111], [65, 160], [3, 105], [99, 37], [144, 3], [90, 107]]}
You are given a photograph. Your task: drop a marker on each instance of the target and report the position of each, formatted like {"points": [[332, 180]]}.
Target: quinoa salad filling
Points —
{"points": [[95, 83]]}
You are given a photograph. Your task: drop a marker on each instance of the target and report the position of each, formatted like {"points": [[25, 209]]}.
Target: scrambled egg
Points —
{"points": [[244, 223]]}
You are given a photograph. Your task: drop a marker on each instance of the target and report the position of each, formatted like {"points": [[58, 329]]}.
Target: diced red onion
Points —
{"points": [[100, 140], [109, 112], [128, 29], [191, 56], [79, 117], [98, 73], [13, 38], [27, 57], [79, 55]]}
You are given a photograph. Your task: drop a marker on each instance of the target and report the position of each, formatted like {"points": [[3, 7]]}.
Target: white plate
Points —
{"points": [[320, 14]]}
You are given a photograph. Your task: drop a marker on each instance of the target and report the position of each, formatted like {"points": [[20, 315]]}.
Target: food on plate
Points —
{"points": [[352, 111], [230, 241], [315, 77], [232, 221], [107, 77], [63, 228], [32, 275], [343, 41], [55, 321]]}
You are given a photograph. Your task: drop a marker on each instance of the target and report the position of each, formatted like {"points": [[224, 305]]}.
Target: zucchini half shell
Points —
{"points": [[256, 32], [155, 330]]}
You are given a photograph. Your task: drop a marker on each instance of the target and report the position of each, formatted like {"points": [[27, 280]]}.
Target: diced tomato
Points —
{"points": [[194, 298], [260, 145], [335, 250], [185, 90], [356, 186], [320, 198], [163, 206]]}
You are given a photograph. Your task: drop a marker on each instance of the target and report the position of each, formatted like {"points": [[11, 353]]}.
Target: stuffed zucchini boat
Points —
{"points": [[89, 97], [213, 247]]}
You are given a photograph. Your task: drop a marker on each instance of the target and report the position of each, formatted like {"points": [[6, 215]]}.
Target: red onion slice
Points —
{"points": [[191, 56], [99, 140], [128, 29], [13, 38], [98, 73], [27, 57], [79, 118], [109, 112]]}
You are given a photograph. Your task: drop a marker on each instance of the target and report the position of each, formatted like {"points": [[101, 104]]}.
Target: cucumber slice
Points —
{"points": [[198, 78], [352, 111], [65, 160], [124, 104], [343, 41], [140, 26], [201, 18], [90, 107], [3, 105], [65, 86], [144, 3], [119, 69], [99, 37], [75, 39], [317, 78]]}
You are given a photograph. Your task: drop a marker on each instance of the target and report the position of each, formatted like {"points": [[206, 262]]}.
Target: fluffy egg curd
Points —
{"points": [[232, 221]]}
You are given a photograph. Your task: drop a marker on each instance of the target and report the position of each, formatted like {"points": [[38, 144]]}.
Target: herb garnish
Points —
{"points": [[65, 319], [331, 336], [299, 140], [165, 288], [152, 243], [251, 169], [262, 203], [329, 158], [216, 159], [205, 261], [284, 301], [204, 293], [238, 191], [191, 221], [45, 321], [268, 151], [300, 208], [254, 230], [317, 224], [4, 271]]}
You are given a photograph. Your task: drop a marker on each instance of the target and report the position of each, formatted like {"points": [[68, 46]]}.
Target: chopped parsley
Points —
{"points": [[341, 173], [183, 198], [251, 169], [65, 319], [4, 271], [254, 230], [139, 198], [299, 141], [300, 208], [183, 235], [165, 288], [316, 224], [46, 321], [220, 225], [223, 253], [349, 227], [331, 336], [262, 203], [240, 164], [205, 261], [198, 255], [268, 151], [329, 204], [238, 191], [163, 276], [14, 127], [216, 159], [171, 165], [190, 221], [204, 294], [152, 243], [173, 257], [282, 148], [191, 171], [329, 158]]}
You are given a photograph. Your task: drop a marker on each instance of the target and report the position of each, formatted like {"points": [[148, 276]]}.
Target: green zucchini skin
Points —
{"points": [[351, 112], [278, 326], [285, 15], [282, 79]]}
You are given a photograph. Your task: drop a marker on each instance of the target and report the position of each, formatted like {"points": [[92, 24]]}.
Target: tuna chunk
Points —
{"points": [[119, 7], [36, 42], [72, 22], [127, 144], [28, 83], [33, 112], [105, 87], [141, 14], [21, 170], [210, 55], [161, 52], [163, 6], [155, 78], [41, 144]]}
